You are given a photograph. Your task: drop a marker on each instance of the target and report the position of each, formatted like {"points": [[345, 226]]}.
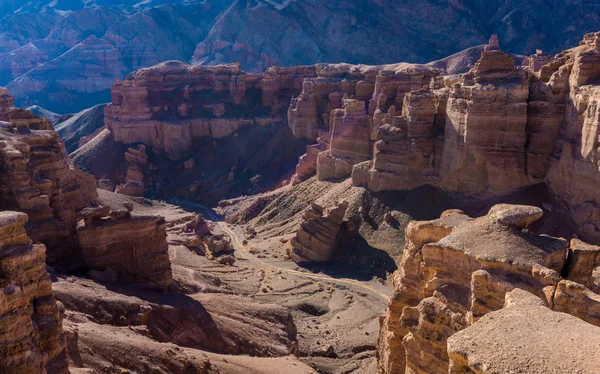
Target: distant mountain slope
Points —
{"points": [[64, 54], [82, 124], [69, 64], [258, 33]]}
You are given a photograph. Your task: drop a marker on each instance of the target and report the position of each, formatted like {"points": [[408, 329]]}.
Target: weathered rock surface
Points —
{"points": [[81, 127], [172, 104], [134, 246], [30, 318], [526, 336], [456, 270], [38, 179], [137, 160], [318, 235]]}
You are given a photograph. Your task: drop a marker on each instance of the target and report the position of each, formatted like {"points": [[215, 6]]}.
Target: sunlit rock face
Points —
{"points": [[456, 270], [172, 104], [491, 131], [30, 318]]}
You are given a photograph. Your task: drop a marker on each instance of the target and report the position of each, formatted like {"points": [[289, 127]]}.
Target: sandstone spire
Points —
{"points": [[493, 44]]}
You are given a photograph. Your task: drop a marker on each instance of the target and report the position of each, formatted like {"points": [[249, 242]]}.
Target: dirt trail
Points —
{"points": [[383, 292]]}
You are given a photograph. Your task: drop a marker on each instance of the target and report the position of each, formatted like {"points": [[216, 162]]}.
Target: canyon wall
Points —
{"points": [[64, 209], [489, 132], [172, 104], [30, 318], [456, 269]]}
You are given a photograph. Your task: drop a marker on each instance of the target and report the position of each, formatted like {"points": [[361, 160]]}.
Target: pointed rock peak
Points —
{"points": [[493, 44]]}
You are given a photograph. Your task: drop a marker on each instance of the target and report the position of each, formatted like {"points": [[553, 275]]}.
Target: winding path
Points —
{"points": [[238, 244]]}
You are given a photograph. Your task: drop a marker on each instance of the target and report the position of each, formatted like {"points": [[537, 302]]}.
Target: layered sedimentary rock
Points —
{"points": [[546, 341], [172, 104], [309, 115], [350, 141], [574, 173], [30, 318], [455, 270], [133, 246], [317, 237], [137, 159], [36, 178]]}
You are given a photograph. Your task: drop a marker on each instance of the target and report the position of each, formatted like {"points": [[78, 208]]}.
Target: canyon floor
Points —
{"points": [[335, 309]]}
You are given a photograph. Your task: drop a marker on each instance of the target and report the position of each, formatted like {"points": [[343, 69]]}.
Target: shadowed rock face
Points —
{"points": [[37, 178], [317, 238], [455, 270], [31, 319]]}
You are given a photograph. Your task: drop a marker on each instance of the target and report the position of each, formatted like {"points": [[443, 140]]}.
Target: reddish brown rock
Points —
{"points": [[454, 271], [525, 336], [137, 159], [132, 245], [30, 318], [583, 264], [166, 106], [39, 180], [317, 237]]}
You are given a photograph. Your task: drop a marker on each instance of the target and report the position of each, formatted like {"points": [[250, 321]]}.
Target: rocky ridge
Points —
{"points": [[31, 324], [494, 130], [456, 269]]}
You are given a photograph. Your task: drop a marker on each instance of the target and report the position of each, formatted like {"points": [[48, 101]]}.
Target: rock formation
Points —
{"points": [[455, 270], [62, 202], [37, 178], [133, 246], [546, 341], [318, 235], [137, 159], [181, 103], [30, 318], [201, 239], [491, 131]]}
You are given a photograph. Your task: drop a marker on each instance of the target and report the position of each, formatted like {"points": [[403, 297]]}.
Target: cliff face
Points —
{"points": [[37, 178], [65, 212], [455, 270], [31, 319], [180, 103], [491, 131]]}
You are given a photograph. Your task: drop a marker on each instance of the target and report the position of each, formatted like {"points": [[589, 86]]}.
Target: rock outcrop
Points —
{"points": [[526, 336], [137, 159], [65, 212], [492, 131], [172, 104], [455, 270], [133, 246], [37, 178], [30, 318], [318, 235]]}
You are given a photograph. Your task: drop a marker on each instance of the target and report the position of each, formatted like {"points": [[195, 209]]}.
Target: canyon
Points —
{"points": [[324, 218]]}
